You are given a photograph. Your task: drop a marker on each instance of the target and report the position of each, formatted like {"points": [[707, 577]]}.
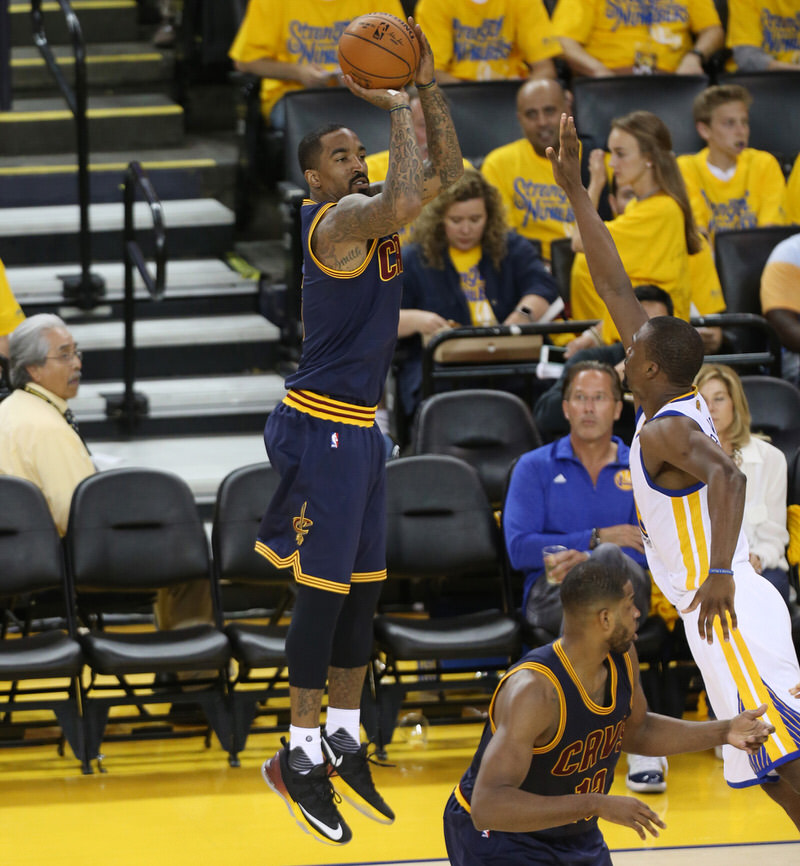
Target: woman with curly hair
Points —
{"points": [[465, 267]]}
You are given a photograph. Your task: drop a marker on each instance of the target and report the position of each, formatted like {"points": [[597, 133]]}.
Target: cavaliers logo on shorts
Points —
{"points": [[301, 525]]}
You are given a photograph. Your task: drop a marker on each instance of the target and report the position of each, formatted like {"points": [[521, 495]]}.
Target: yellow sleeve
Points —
{"points": [[435, 19], [772, 184], [61, 463], [259, 33], [689, 165], [10, 311], [702, 14], [574, 19], [779, 282], [744, 23], [706, 290], [793, 193], [535, 32]]}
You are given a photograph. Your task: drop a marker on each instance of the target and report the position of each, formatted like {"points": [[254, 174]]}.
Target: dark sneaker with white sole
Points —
{"points": [[352, 767], [310, 797]]}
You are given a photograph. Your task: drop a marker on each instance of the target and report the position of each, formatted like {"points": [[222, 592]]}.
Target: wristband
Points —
{"points": [[720, 571], [525, 311], [399, 107], [427, 86]]}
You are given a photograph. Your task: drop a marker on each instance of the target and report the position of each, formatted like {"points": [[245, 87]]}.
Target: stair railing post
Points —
{"points": [[5, 57], [85, 289]]}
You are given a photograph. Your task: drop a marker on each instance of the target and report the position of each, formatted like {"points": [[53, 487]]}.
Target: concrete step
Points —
{"points": [[195, 228], [202, 461], [200, 286], [203, 167], [122, 122], [100, 20], [182, 406], [122, 66], [196, 346]]}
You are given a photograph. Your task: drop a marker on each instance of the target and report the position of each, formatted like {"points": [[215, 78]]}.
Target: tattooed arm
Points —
{"points": [[445, 164]]}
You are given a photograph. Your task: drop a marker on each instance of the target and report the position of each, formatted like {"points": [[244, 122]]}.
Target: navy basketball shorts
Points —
{"points": [[327, 519], [467, 846]]}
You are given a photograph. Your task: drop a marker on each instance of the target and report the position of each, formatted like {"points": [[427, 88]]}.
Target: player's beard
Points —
{"points": [[621, 639]]}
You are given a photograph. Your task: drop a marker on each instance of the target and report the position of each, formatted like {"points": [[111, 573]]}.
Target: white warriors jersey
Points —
{"points": [[675, 524]]}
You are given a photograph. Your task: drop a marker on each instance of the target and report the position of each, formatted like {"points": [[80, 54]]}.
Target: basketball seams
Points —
{"points": [[382, 61]]}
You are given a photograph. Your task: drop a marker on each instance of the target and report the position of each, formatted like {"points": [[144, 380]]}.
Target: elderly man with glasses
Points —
{"points": [[40, 441]]}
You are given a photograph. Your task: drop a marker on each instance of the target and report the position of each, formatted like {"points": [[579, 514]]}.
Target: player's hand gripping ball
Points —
{"points": [[379, 51]]}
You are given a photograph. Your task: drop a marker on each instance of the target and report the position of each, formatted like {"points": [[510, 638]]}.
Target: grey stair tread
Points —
{"points": [[100, 21], [109, 216], [202, 461], [185, 278], [188, 397], [220, 148], [157, 333], [117, 104], [95, 53]]}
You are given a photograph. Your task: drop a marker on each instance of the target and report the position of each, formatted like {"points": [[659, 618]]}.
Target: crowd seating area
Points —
{"points": [[77, 636]]}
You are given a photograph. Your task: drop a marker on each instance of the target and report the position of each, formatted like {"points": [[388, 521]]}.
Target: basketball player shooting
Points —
{"points": [[327, 519], [690, 499]]}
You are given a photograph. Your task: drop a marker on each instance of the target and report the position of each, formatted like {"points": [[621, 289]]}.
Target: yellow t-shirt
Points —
{"points": [[771, 25], [754, 196], [781, 277], [480, 41], [473, 285], [704, 286], [298, 31], [793, 193], [651, 242], [10, 311], [536, 206], [613, 31]]}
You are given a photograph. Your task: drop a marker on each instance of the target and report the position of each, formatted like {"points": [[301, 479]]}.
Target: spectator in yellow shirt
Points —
{"points": [[731, 185], [481, 40], [764, 34], [10, 311], [601, 38]]}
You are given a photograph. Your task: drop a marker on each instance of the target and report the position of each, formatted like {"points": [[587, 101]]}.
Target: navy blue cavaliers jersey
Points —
{"points": [[582, 755], [349, 318]]}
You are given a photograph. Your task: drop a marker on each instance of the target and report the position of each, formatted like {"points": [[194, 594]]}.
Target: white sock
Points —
{"points": [[349, 720], [307, 740]]}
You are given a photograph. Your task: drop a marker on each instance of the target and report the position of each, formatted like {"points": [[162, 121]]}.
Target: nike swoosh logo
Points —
{"points": [[334, 833], [333, 759]]}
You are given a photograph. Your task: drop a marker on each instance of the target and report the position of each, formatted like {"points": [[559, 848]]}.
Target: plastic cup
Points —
{"points": [[549, 552]]}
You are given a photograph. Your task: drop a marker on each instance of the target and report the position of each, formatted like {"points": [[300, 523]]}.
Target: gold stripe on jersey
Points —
{"points": [[749, 684], [368, 576], [293, 562], [595, 708], [562, 704], [330, 409], [462, 800], [332, 272], [691, 537]]}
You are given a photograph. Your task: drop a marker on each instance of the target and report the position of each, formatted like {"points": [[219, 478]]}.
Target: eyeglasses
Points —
{"points": [[583, 399], [66, 357]]}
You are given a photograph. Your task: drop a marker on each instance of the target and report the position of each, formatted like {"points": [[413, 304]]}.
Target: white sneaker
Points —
{"points": [[647, 775]]}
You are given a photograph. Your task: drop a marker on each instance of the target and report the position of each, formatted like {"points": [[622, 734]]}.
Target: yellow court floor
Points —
{"points": [[176, 803]]}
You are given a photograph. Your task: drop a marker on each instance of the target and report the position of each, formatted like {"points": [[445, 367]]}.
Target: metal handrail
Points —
{"points": [[5, 57], [87, 288], [130, 406]]}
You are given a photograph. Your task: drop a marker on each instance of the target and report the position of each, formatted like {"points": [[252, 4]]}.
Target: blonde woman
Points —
{"points": [[764, 522]]}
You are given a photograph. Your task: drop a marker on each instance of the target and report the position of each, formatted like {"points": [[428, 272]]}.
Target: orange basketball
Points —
{"points": [[379, 50]]}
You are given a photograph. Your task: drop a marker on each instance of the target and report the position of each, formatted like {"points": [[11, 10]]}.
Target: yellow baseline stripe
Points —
{"points": [[106, 166], [97, 113], [77, 5], [24, 62]]}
